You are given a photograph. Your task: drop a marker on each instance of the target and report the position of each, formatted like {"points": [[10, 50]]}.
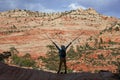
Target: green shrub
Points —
{"points": [[52, 59], [101, 56], [111, 42], [71, 54], [23, 61], [117, 29]]}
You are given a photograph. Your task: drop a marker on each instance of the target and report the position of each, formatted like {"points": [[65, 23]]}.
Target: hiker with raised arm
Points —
{"points": [[62, 55]]}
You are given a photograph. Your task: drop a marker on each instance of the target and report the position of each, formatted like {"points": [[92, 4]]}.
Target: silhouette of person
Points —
{"points": [[62, 55]]}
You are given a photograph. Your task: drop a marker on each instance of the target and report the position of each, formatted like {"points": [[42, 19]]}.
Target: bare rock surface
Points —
{"points": [[15, 73]]}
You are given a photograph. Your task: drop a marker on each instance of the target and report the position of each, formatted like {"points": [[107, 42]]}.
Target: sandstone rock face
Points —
{"points": [[26, 31]]}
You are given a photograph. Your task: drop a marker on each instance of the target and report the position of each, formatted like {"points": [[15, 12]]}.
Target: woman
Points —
{"points": [[62, 55]]}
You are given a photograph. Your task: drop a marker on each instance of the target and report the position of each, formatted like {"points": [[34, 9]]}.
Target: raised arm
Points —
{"points": [[56, 45], [68, 45]]}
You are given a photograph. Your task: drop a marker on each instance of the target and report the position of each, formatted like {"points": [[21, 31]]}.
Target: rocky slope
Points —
{"points": [[26, 30], [15, 73]]}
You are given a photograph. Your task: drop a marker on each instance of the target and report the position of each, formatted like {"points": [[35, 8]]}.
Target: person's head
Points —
{"points": [[63, 47]]}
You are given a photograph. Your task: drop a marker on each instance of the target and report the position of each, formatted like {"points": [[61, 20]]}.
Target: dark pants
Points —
{"points": [[62, 60]]}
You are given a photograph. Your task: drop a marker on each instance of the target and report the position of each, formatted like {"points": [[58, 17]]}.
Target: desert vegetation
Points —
{"points": [[24, 61]]}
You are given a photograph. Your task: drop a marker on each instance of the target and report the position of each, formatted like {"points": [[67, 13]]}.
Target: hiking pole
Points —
{"points": [[49, 38], [77, 37], [74, 39]]}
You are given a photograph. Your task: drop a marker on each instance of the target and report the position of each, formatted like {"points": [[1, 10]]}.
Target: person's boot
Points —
{"points": [[65, 72], [58, 72]]}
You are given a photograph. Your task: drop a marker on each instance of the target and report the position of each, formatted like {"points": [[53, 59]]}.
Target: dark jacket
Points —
{"points": [[62, 52]]}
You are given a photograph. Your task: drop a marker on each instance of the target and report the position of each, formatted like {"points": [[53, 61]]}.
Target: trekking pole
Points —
{"points": [[76, 37], [49, 38]]}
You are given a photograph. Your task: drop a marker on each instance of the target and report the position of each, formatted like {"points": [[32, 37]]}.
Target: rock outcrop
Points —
{"points": [[15, 73]]}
